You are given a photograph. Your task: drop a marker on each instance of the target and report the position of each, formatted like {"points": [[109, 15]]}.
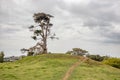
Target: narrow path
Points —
{"points": [[70, 70]]}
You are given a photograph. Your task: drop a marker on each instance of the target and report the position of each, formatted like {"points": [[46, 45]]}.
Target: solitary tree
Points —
{"points": [[41, 32], [78, 51]]}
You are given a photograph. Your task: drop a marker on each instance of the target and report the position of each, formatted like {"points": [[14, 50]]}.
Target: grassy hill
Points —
{"points": [[54, 67]]}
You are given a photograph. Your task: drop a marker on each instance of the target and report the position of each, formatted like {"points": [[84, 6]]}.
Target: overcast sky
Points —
{"points": [[93, 25]]}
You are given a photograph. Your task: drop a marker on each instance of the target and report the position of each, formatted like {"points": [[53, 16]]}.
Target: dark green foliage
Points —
{"points": [[34, 37], [38, 17], [37, 32], [1, 56], [30, 53], [97, 57], [1, 59], [115, 62]]}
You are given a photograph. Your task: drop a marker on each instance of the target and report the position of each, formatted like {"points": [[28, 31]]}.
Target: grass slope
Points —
{"points": [[95, 72], [42, 67], [54, 67]]}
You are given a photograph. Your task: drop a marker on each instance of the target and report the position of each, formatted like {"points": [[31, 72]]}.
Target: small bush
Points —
{"points": [[1, 56], [115, 62]]}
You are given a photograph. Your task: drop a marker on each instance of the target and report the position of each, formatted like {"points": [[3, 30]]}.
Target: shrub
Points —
{"points": [[97, 57], [1, 56], [115, 62]]}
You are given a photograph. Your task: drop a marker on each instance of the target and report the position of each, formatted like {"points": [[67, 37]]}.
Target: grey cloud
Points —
{"points": [[8, 29], [16, 11], [95, 14], [113, 38], [18, 14], [92, 23], [76, 21], [110, 35]]}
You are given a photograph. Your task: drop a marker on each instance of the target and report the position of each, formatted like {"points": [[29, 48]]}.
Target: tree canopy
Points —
{"points": [[77, 51]]}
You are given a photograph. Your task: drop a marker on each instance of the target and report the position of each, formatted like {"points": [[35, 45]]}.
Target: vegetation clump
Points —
{"points": [[97, 57], [115, 62], [77, 51], [1, 56]]}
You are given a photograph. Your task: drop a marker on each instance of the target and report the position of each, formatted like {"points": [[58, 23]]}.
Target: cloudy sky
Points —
{"points": [[93, 25]]}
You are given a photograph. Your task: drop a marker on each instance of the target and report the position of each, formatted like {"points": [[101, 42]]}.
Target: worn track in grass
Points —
{"points": [[70, 70]]}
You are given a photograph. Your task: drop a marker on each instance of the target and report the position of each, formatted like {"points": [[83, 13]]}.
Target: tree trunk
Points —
{"points": [[44, 46]]}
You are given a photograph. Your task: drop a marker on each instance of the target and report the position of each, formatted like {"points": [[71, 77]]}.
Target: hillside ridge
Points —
{"points": [[54, 67]]}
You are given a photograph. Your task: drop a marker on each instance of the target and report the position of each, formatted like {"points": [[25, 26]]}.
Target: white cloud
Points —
{"points": [[82, 2]]}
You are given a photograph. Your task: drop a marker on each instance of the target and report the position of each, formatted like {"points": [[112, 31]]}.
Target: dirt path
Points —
{"points": [[70, 70]]}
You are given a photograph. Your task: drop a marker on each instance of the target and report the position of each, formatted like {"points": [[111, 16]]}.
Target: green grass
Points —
{"points": [[95, 71], [54, 67], [42, 67]]}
